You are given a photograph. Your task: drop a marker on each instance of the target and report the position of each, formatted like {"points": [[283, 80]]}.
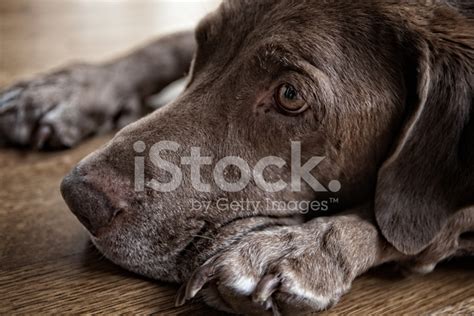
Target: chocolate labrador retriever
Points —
{"points": [[313, 141]]}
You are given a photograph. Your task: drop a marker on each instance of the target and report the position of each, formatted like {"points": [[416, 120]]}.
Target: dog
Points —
{"points": [[380, 91]]}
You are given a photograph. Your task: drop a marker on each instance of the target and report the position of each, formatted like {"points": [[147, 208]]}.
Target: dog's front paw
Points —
{"points": [[60, 109], [286, 270]]}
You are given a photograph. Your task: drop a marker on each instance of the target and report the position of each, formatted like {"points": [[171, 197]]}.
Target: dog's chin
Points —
{"points": [[133, 255], [134, 242]]}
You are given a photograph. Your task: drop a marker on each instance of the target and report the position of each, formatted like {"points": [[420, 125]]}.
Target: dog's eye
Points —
{"points": [[289, 99]]}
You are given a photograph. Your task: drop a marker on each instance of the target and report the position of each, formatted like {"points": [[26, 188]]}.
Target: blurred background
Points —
{"points": [[36, 35]]}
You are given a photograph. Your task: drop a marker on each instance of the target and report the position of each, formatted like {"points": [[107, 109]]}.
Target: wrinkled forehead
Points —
{"points": [[283, 31]]}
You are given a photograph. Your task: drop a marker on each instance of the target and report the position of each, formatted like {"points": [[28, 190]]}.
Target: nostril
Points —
{"points": [[86, 222], [70, 183], [90, 205]]}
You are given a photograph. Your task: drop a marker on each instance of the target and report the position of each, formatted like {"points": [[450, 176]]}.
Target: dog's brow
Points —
{"points": [[271, 55]]}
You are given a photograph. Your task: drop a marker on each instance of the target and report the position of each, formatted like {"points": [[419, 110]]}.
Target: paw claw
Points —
{"points": [[8, 98], [9, 95], [275, 310], [270, 305], [199, 278], [43, 135], [181, 296], [265, 288]]}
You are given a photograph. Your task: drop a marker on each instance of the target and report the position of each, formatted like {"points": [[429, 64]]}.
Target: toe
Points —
{"points": [[8, 99]]}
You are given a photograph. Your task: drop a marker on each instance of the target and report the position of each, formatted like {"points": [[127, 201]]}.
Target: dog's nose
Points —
{"points": [[91, 207]]}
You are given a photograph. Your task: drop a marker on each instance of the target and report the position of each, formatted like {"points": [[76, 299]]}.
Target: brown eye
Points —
{"points": [[289, 100]]}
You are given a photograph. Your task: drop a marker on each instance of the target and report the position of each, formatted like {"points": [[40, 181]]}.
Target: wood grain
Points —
{"points": [[47, 264]]}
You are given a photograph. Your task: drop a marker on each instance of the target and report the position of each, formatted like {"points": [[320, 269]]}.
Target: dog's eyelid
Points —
{"points": [[319, 81], [310, 70], [303, 81], [311, 73]]}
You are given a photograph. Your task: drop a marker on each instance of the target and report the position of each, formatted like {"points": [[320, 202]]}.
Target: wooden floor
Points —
{"points": [[47, 264]]}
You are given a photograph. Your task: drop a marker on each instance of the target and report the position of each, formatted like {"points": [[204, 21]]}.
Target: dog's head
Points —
{"points": [[380, 93]]}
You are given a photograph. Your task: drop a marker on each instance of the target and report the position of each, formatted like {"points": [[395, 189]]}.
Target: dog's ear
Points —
{"points": [[430, 172]]}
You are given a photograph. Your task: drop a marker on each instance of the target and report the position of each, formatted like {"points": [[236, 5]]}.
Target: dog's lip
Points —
{"points": [[113, 224]]}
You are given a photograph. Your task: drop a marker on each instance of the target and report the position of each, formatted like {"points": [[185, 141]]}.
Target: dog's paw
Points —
{"points": [[62, 108], [282, 270]]}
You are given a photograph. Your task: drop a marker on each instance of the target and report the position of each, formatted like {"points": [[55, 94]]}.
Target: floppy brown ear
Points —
{"points": [[430, 173]]}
